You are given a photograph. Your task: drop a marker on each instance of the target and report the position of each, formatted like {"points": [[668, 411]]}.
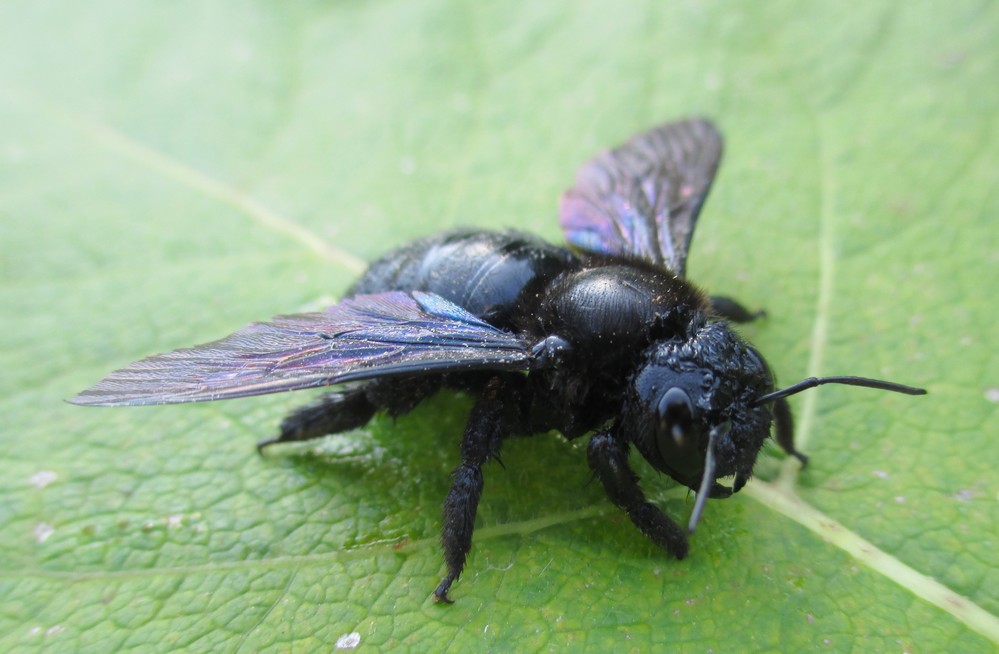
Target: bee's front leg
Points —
{"points": [[608, 458]]}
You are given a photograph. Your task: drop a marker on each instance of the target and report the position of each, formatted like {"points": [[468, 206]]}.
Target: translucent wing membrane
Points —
{"points": [[642, 199], [368, 336]]}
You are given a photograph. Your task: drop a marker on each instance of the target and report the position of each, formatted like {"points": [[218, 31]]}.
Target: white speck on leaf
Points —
{"points": [[42, 478], [42, 532], [174, 521], [992, 395], [52, 631], [348, 641], [881, 474], [964, 494], [900, 499]]}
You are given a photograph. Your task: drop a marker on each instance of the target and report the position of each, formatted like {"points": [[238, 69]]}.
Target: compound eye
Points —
{"points": [[676, 415]]}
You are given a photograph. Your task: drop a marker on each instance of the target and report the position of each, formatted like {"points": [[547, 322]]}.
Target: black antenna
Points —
{"points": [[812, 382]]}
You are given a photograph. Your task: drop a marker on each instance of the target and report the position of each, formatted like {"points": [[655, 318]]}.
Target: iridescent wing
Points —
{"points": [[642, 198], [368, 336]]}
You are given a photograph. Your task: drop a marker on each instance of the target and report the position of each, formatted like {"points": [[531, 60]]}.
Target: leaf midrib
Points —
{"points": [[779, 497]]}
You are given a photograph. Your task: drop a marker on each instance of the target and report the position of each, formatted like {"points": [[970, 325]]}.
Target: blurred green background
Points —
{"points": [[172, 171]]}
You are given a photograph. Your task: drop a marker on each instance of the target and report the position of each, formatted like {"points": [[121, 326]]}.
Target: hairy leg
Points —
{"points": [[608, 458], [733, 311], [330, 414], [352, 408], [785, 430], [484, 433]]}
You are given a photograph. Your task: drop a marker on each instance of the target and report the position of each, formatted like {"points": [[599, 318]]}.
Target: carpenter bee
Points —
{"points": [[604, 337]]}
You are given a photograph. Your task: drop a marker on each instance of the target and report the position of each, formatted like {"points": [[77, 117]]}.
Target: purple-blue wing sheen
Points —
{"points": [[642, 199], [368, 336]]}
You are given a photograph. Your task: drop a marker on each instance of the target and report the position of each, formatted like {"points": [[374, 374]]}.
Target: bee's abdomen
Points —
{"points": [[483, 272]]}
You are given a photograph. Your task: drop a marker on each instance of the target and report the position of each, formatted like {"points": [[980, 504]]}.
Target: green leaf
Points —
{"points": [[173, 171]]}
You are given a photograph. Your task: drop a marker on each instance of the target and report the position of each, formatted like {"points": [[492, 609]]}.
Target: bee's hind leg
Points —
{"points": [[329, 414]]}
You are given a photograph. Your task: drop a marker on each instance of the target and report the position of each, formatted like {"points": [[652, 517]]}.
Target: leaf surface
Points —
{"points": [[174, 171]]}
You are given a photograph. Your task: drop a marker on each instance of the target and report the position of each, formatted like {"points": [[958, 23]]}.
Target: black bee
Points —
{"points": [[607, 337]]}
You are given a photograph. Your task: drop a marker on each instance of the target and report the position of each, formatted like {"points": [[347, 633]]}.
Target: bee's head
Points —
{"points": [[697, 408], [690, 407]]}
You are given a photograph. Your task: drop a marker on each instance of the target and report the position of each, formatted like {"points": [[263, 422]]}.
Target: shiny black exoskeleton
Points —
{"points": [[608, 338], [622, 348]]}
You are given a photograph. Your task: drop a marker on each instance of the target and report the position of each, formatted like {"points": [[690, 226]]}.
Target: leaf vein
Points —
{"points": [[178, 171], [922, 586]]}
